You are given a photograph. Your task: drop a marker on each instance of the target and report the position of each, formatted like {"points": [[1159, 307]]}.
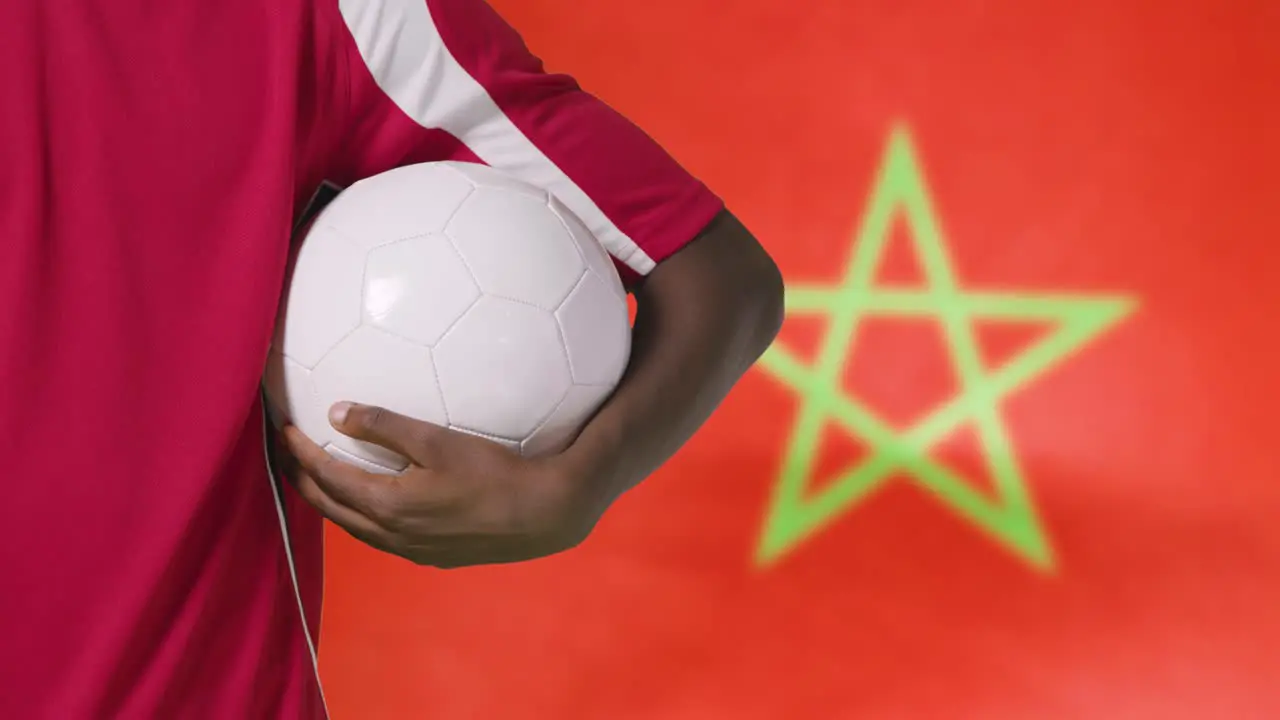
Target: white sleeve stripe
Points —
{"points": [[407, 58]]}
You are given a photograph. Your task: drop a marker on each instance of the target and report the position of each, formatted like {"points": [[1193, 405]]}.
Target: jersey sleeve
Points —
{"points": [[432, 80]]}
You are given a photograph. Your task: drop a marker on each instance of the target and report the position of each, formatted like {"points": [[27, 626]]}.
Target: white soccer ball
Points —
{"points": [[455, 294]]}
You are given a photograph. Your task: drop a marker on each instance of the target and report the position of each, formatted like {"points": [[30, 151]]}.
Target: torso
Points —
{"points": [[151, 157]]}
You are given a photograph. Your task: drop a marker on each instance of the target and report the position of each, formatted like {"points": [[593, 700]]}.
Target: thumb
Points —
{"points": [[411, 438]]}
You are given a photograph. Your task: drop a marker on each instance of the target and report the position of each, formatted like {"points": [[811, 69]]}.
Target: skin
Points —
{"points": [[703, 318]]}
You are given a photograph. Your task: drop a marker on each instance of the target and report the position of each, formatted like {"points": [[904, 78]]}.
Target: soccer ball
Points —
{"points": [[455, 294]]}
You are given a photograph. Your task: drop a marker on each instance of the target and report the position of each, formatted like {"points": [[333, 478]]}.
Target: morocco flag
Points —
{"points": [[1013, 455]]}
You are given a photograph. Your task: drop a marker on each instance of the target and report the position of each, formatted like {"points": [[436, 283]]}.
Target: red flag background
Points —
{"points": [[1013, 455]]}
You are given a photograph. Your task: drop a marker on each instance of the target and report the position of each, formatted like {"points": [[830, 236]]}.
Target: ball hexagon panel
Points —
{"points": [[417, 288], [597, 332], [562, 426], [484, 176], [322, 303], [400, 203], [289, 389], [375, 368], [516, 247], [502, 368], [596, 257], [291, 396]]}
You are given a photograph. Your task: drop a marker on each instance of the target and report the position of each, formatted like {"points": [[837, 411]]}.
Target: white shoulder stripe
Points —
{"points": [[404, 52]]}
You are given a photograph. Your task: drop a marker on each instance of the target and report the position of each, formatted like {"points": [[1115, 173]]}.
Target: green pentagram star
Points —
{"points": [[1009, 518]]}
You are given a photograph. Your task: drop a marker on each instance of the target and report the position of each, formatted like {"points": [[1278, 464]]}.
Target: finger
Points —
{"points": [[344, 483], [350, 521], [363, 528], [282, 460], [411, 438]]}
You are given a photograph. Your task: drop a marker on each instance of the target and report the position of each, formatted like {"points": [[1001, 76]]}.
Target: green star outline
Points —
{"points": [[1010, 518]]}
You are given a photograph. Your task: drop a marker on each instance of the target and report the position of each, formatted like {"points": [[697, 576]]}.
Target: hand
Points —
{"points": [[463, 500]]}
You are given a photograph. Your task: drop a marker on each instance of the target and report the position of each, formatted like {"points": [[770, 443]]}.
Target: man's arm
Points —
{"points": [[709, 298], [703, 318]]}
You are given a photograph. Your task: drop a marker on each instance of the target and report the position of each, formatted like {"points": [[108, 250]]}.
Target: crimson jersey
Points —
{"points": [[153, 156]]}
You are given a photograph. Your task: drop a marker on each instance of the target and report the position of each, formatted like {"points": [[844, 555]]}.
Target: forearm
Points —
{"points": [[703, 318]]}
